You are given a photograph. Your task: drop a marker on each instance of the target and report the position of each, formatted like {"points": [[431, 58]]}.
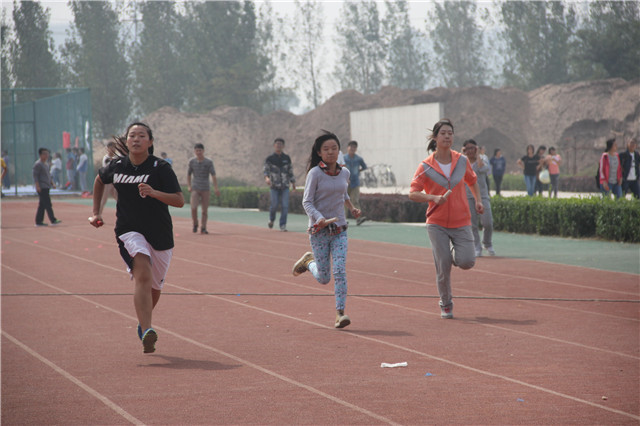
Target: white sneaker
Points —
{"points": [[491, 251], [479, 253]]}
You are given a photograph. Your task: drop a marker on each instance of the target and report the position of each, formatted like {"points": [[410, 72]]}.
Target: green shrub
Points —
{"points": [[242, 197], [618, 220]]}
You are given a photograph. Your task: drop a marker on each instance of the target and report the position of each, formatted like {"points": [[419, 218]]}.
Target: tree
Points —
{"points": [[159, 77], [34, 64], [275, 92], [458, 44], [7, 74], [609, 43], [406, 63], [362, 48], [307, 48], [538, 36], [94, 59], [219, 53]]}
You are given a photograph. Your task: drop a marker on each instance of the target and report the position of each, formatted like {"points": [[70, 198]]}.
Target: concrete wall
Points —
{"points": [[395, 136]]}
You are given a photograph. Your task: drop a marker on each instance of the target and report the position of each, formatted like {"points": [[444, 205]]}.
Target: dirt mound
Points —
{"points": [[576, 118]]}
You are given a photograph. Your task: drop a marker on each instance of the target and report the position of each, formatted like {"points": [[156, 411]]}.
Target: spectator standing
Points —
{"points": [[529, 164], [498, 167], [630, 160], [56, 169], [43, 184], [482, 169], [553, 162], [3, 166], [83, 165], [6, 180], [540, 187], [448, 217], [355, 164], [71, 169], [610, 170], [201, 168], [278, 174], [166, 158], [482, 153]]}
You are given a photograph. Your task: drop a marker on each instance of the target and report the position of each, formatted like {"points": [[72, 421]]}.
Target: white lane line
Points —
{"points": [[487, 373], [106, 401], [196, 343]]}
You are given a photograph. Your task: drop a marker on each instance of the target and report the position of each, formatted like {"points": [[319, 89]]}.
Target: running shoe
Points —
{"points": [[195, 228], [342, 320], [491, 251], [302, 265], [149, 339], [204, 231], [446, 312], [41, 224], [55, 222], [478, 252], [270, 225], [361, 220]]}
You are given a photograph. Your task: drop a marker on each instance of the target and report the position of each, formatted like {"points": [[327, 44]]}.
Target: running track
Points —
{"points": [[241, 341]]}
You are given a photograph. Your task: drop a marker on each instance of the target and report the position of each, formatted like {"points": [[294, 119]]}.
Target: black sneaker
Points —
{"points": [[41, 224], [195, 229], [361, 220], [270, 225], [56, 222], [204, 231]]}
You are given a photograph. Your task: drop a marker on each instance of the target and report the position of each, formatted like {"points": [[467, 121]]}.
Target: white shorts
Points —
{"points": [[133, 243]]}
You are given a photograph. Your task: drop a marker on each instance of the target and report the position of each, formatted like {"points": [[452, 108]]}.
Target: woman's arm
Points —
{"points": [[475, 189], [98, 190], [421, 197]]}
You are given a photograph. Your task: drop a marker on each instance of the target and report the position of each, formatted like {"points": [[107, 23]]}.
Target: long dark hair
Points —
{"points": [[436, 129], [609, 144], [315, 158], [121, 141]]}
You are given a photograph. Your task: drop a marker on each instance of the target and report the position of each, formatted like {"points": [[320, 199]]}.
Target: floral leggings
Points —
{"points": [[325, 248]]}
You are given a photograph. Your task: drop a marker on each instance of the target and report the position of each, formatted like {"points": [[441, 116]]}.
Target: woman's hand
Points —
{"points": [[355, 213], [146, 190], [96, 221]]}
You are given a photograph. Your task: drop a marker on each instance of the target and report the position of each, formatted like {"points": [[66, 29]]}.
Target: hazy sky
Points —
{"points": [[61, 14], [61, 18]]}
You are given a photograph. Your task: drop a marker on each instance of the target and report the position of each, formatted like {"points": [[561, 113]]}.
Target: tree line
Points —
{"points": [[138, 56]]}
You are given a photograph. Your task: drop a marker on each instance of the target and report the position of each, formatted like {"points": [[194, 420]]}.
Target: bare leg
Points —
{"points": [[155, 295], [143, 295]]}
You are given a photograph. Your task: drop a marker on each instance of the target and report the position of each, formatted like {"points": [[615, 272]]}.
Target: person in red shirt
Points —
{"points": [[439, 181]]}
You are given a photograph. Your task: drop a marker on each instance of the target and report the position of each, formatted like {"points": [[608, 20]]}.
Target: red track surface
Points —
{"points": [[70, 354]]}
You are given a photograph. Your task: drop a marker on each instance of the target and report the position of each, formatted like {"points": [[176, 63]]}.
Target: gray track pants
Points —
{"points": [[463, 249], [487, 223]]}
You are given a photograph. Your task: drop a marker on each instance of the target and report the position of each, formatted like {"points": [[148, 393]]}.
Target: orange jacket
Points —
{"points": [[430, 178]]}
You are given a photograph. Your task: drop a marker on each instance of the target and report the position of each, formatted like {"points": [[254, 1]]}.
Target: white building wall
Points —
{"points": [[395, 136]]}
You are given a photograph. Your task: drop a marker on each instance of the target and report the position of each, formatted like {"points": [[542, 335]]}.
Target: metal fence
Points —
{"points": [[57, 119]]}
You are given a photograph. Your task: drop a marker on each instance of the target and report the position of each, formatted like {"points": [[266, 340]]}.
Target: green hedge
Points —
{"points": [[243, 197], [617, 220]]}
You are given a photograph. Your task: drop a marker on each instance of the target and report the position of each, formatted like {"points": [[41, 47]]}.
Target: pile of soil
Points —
{"points": [[576, 118]]}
